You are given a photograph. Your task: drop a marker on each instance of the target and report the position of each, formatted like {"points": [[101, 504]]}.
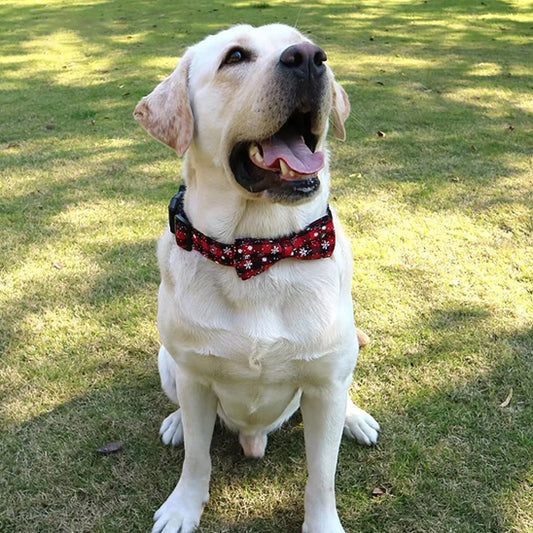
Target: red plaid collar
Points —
{"points": [[252, 256]]}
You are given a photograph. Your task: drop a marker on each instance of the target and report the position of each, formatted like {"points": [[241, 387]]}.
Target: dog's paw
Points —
{"points": [[172, 522], [171, 429], [361, 426], [181, 511]]}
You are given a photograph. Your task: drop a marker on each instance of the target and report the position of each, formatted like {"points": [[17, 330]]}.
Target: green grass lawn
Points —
{"points": [[439, 210]]}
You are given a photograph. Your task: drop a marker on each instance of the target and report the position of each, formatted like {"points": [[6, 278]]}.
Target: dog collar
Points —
{"points": [[250, 256]]}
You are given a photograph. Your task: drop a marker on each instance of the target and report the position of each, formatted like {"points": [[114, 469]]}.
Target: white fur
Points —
{"points": [[252, 351]]}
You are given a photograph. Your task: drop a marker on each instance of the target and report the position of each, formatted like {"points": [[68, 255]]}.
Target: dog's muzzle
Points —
{"points": [[284, 165]]}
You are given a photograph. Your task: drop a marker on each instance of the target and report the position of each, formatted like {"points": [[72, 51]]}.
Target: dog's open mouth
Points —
{"points": [[285, 164]]}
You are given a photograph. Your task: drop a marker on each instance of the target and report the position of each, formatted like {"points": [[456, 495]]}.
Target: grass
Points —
{"points": [[439, 210]]}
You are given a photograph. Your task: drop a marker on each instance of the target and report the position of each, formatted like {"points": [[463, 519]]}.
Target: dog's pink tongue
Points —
{"points": [[291, 148]]}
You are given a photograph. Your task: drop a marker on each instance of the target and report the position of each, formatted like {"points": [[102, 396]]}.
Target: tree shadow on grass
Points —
{"points": [[57, 481], [55, 477], [441, 61], [448, 449], [450, 459], [414, 107]]}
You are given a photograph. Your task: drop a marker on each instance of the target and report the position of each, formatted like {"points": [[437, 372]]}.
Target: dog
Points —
{"points": [[255, 310]]}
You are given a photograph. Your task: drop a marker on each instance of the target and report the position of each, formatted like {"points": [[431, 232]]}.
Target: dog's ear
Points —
{"points": [[340, 111], [166, 112]]}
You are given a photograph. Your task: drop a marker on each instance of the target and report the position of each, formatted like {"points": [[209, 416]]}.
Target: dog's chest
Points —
{"points": [[262, 387], [286, 318]]}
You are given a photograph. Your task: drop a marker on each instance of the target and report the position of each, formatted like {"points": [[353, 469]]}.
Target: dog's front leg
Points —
{"points": [[182, 510], [323, 413]]}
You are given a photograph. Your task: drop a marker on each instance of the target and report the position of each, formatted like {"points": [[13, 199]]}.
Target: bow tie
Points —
{"points": [[252, 256]]}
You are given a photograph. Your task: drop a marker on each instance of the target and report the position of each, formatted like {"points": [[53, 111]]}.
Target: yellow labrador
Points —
{"points": [[255, 309]]}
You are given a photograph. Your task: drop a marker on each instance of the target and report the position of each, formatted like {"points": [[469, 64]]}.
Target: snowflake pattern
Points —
{"points": [[250, 257]]}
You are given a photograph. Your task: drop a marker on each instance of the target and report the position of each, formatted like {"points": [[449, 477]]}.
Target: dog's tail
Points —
{"points": [[362, 338]]}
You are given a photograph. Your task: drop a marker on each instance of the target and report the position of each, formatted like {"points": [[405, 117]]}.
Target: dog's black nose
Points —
{"points": [[306, 59]]}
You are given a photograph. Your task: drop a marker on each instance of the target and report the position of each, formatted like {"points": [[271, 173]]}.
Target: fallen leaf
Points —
{"points": [[13, 144], [50, 126], [474, 148], [59, 265], [379, 491], [381, 133], [507, 400], [111, 447], [511, 127]]}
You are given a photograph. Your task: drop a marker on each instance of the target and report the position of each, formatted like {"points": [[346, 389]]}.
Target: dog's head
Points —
{"points": [[254, 102]]}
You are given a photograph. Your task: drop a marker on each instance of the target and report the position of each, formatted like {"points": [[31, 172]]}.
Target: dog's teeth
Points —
{"points": [[286, 171], [255, 154], [284, 168]]}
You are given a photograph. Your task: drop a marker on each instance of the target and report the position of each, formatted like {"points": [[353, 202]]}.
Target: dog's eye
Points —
{"points": [[236, 55]]}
